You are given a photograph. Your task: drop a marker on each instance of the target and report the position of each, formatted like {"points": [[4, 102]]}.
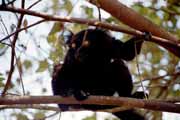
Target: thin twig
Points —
{"points": [[19, 30], [35, 3], [13, 52], [5, 29], [138, 69], [159, 77], [19, 67]]}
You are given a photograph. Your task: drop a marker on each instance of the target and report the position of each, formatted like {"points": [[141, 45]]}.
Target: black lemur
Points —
{"points": [[94, 66]]}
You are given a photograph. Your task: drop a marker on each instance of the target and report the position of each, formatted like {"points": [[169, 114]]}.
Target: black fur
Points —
{"points": [[96, 68]]}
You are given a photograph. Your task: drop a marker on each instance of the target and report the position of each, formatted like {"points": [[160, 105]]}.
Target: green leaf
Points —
{"points": [[27, 64], [112, 20], [43, 65], [52, 38], [93, 117], [39, 116], [56, 28], [153, 17], [67, 6], [55, 6], [2, 46], [1, 79], [56, 54], [165, 17], [88, 11], [77, 27], [20, 116]]}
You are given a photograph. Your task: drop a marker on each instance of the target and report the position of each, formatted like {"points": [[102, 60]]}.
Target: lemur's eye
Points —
{"points": [[85, 43], [73, 45]]}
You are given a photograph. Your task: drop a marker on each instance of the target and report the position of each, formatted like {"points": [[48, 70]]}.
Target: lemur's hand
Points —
{"points": [[81, 95], [147, 36]]}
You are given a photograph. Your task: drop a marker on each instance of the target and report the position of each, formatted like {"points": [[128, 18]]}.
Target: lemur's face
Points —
{"points": [[91, 45]]}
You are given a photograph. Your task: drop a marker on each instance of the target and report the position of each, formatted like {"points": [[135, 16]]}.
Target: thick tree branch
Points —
{"points": [[172, 46], [99, 100], [132, 18]]}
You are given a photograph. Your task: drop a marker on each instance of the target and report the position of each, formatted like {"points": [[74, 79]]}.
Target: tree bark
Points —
{"points": [[98, 100], [132, 18]]}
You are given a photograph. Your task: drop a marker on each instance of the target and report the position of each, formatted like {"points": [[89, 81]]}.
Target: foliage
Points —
{"points": [[93, 117]]}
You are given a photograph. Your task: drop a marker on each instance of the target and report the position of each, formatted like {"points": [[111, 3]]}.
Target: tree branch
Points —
{"points": [[132, 18], [98, 100], [172, 46], [159, 77], [13, 51], [21, 29]]}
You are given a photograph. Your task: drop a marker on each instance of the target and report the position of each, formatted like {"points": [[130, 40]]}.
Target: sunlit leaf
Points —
{"points": [[20, 116], [165, 16], [67, 6], [43, 65], [55, 5], [25, 23], [39, 116], [56, 54], [2, 46], [57, 27], [93, 117], [52, 38], [27, 64], [88, 11], [1, 80]]}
